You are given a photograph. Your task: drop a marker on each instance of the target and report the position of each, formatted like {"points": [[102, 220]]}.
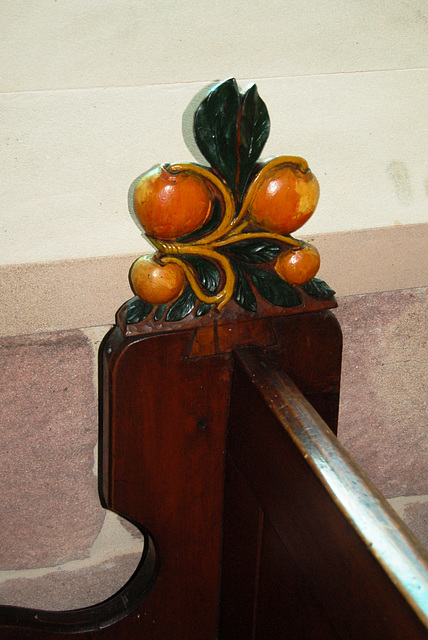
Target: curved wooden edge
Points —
{"points": [[385, 536], [92, 618]]}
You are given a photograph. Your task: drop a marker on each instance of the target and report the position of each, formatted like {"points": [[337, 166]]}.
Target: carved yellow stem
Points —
{"points": [[229, 223], [177, 250], [238, 229], [238, 237], [229, 204]]}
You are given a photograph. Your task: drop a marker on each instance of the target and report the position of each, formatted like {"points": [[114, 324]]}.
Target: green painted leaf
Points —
{"points": [[215, 126], [208, 273], [255, 251], [183, 306], [243, 294], [318, 289], [203, 309], [273, 288], [231, 130], [159, 312], [138, 310], [209, 226], [254, 127]]}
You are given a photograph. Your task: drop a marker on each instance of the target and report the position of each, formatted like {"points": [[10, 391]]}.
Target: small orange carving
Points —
{"points": [[298, 266], [170, 204], [284, 199], [155, 283]]}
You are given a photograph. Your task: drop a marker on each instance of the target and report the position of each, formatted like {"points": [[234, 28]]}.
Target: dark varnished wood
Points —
{"points": [[333, 559], [171, 478], [236, 514], [173, 406], [166, 393]]}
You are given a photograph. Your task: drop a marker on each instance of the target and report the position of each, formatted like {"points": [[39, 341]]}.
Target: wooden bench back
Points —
{"points": [[241, 490]]}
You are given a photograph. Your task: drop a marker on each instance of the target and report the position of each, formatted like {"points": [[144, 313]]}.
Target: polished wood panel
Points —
{"points": [[223, 492], [165, 397], [167, 430], [329, 536]]}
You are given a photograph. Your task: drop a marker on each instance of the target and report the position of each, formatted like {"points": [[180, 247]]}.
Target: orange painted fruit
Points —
{"points": [[285, 199], [298, 266], [155, 283], [171, 205]]}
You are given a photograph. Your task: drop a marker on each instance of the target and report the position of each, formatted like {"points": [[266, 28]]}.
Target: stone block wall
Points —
{"points": [[383, 408], [59, 548]]}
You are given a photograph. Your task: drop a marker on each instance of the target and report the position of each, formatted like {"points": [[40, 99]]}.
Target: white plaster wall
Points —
{"points": [[93, 94]]}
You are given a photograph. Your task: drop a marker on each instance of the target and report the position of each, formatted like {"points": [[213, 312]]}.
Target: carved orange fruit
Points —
{"points": [[171, 205], [155, 283], [285, 199], [298, 266]]}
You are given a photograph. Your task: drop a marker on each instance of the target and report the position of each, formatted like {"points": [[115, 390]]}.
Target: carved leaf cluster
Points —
{"points": [[231, 130]]}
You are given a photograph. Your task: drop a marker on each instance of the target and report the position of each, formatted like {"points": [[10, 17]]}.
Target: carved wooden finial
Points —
{"points": [[222, 233]]}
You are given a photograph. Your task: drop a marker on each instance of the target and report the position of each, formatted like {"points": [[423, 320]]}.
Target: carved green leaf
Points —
{"points": [[273, 288], [318, 289], [254, 127], [209, 226], [203, 309], [138, 310], [215, 126], [182, 307], [231, 130], [159, 312], [255, 251], [208, 273], [243, 294]]}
